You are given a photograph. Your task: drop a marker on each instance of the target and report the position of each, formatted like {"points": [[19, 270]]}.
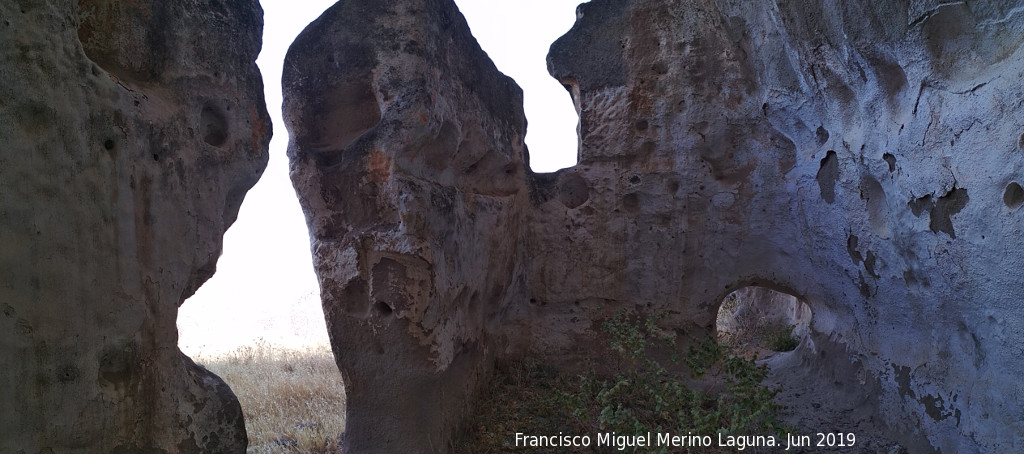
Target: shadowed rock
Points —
{"points": [[407, 154], [131, 132], [723, 144]]}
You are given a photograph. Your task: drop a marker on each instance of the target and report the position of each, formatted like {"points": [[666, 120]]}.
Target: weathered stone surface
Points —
{"points": [[407, 154], [863, 155], [131, 132]]}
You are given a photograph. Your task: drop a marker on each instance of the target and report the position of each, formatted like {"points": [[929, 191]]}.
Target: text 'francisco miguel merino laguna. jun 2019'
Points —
{"points": [[665, 439]]}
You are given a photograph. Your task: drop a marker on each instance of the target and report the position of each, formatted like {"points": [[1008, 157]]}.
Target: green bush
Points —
{"points": [[643, 396], [780, 339], [722, 394]]}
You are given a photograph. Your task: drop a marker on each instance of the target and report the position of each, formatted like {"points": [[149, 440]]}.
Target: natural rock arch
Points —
{"points": [[848, 150], [762, 321]]}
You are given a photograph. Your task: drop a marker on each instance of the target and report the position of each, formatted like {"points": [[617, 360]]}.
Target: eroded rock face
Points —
{"points": [[864, 156], [407, 154], [131, 132]]}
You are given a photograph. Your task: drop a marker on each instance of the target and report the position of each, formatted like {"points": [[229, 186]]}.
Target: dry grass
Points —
{"points": [[293, 400]]}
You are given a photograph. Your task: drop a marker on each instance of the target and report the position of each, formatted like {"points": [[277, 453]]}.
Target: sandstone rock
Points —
{"points": [[407, 154], [855, 155], [864, 156], [131, 133]]}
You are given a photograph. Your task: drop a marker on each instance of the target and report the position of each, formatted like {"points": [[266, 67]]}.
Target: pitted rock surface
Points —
{"points": [[407, 154], [131, 132], [863, 155]]}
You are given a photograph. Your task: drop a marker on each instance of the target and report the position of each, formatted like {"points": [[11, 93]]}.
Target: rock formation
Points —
{"points": [[865, 156], [131, 132], [407, 154]]}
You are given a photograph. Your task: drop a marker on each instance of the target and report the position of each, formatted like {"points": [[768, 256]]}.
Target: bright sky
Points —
{"points": [[264, 286]]}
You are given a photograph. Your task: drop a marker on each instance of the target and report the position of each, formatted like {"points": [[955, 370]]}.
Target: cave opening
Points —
{"points": [[761, 322]]}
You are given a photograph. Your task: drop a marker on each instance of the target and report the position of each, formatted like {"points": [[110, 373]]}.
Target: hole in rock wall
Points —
{"points": [[214, 125], [382, 308], [822, 135], [761, 322], [1014, 195], [828, 175], [891, 161]]}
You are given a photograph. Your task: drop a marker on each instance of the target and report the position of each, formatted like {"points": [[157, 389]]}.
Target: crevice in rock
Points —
{"points": [[945, 207], [828, 174], [890, 160], [941, 210]]}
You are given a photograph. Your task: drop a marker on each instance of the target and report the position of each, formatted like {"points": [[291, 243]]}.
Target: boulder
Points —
{"points": [[131, 132]]}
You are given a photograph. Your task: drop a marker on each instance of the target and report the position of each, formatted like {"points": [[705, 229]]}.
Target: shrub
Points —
{"points": [[722, 394], [780, 339]]}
